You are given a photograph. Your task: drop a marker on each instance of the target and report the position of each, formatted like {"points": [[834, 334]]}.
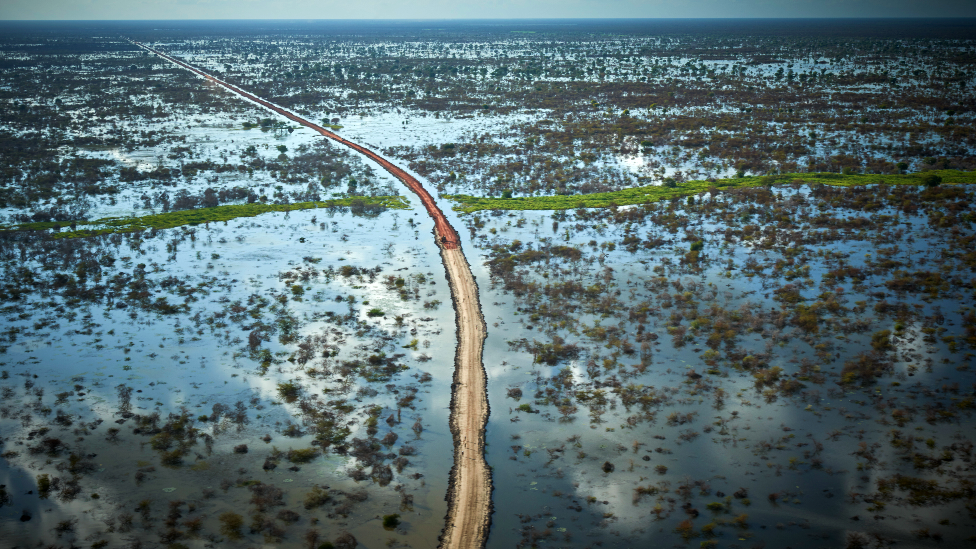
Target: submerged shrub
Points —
{"points": [[317, 497], [231, 524], [303, 455], [289, 391], [391, 521]]}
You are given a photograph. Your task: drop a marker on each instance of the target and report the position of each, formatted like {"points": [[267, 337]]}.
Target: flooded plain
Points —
{"points": [[783, 365]]}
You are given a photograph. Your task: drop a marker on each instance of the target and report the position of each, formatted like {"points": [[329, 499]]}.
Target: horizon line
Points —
{"points": [[307, 19]]}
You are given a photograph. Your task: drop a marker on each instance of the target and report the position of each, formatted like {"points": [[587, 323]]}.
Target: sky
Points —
{"points": [[477, 9]]}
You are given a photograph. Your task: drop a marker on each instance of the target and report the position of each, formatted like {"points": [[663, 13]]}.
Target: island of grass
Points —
{"points": [[654, 193], [171, 220]]}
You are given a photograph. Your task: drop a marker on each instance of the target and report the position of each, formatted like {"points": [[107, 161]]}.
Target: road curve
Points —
{"points": [[469, 491]]}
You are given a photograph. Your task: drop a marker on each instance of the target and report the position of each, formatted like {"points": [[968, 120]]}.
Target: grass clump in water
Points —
{"points": [[317, 497], [303, 455], [390, 522], [231, 524], [289, 391]]}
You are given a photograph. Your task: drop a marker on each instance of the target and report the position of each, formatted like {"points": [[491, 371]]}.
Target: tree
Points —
{"points": [[931, 180]]}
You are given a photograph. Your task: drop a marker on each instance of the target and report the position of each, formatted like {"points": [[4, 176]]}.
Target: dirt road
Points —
{"points": [[469, 492]]}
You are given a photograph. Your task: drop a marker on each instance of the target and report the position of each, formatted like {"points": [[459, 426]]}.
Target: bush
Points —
{"points": [[289, 391], [316, 498], [391, 521], [931, 180], [374, 312], [686, 529], [303, 455], [173, 459], [346, 541], [230, 525], [43, 485]]}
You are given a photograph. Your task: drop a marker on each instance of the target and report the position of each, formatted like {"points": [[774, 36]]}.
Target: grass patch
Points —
{"points": [[303, 455], [171, 220], [231, 524], [655, 193]]}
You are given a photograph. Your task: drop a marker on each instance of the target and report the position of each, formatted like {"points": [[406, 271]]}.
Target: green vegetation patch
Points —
{"points": [[655, 193], [171, 220]]}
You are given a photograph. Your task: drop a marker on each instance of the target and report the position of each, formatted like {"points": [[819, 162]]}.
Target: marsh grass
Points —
{"points": [[655, 193], [169, 220]]}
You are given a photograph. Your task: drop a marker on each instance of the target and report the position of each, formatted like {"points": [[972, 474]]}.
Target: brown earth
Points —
{"points": [[469, 492], [469, 495]]}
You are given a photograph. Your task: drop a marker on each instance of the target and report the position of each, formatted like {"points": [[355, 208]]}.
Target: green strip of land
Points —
{"points": [[170, 220], [654, 193]]}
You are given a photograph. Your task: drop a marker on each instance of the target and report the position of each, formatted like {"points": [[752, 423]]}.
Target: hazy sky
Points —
{"points": [[457, 9]]}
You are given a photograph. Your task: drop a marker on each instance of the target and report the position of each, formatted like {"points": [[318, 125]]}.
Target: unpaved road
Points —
{"points": [[469, 492]]}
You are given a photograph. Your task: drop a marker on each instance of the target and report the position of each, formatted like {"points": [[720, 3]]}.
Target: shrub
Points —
{"points": [[303, 455], [346, 541], [390, 439], [686, 529], [375, 312], [230, 525], [43, 485], [391, 521], [287, 515], [316, 498], [173, 458], [289, 391], [931, 180], [881, 341]]}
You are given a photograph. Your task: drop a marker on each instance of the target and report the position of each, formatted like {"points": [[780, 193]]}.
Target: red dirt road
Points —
{"points": [[469, 493]]}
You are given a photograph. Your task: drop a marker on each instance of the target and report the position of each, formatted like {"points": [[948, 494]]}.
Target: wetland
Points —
{"points": [[727, 274]]}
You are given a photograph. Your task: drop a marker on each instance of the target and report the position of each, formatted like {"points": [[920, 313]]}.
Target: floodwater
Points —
{"points": [[640, 394]]}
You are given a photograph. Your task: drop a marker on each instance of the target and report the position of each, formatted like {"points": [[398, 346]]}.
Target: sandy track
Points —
{"points": [[469, 492]]}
